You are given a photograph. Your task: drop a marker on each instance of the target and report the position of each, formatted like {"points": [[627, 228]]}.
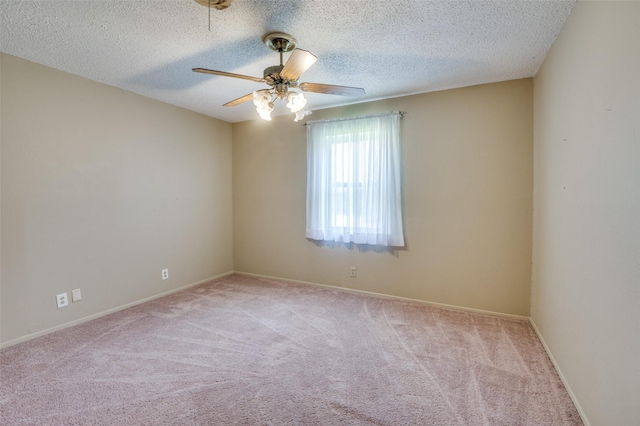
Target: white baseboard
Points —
{"points": [[107, 312], [387, 296], [451, 307], [583, 416], [333, 287]]}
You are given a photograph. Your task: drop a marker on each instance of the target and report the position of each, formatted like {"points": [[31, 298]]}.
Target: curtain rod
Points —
{"points": [[331, 120]]}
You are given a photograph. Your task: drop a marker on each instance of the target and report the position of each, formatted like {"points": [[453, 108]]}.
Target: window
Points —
{"points": [[353, 180]]}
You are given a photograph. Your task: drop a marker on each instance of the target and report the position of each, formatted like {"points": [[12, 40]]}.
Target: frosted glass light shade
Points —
{"points": [[262, 101], [296, 101], [265, 113], [301, 114]]}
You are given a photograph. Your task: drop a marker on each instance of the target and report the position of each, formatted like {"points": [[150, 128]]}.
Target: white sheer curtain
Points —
{"points": [[353, 180]]}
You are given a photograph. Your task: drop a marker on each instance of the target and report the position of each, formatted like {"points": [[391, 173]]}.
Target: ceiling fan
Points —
{"points": [[283, 78]]}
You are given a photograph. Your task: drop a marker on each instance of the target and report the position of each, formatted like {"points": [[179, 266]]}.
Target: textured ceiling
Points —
{"points": [[390, 48]]}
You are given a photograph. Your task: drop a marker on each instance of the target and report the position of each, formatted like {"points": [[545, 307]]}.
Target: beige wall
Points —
{"points": [[468, 183], [586, 264], [101, 189]]}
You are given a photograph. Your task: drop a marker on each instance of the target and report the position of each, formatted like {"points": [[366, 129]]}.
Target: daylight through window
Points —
{"points": [[353, 180]]}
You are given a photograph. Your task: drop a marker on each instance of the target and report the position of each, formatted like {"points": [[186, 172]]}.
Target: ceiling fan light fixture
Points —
{"points": [[301, 114], [295, 101], [262, 99], [265, 113]]}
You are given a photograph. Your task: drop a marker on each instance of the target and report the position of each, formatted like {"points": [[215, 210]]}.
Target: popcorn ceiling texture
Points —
{"points": [[390, 48]]}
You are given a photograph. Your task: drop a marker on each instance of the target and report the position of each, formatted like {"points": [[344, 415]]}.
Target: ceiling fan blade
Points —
{"points": [[331, 89], [229, 74], [238, 101], [299, 61]]}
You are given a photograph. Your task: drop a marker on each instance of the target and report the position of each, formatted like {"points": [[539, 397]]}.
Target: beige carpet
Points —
{"points": [[242, 350]]}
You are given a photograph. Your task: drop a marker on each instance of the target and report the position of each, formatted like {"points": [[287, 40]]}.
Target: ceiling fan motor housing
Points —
{"points": [[272, 74], [273, 79]]}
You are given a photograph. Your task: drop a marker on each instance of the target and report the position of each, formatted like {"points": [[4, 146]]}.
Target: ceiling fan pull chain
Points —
{"points": [[209, 15]]}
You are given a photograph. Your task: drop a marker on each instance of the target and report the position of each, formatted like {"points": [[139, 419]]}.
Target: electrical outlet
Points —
{"points": [[75, 295], [62, 300], [354, 271], [165, 274]]}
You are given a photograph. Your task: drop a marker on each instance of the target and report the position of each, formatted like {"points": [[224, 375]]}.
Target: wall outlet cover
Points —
{"points": [[76, 296], [62, 300]]}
